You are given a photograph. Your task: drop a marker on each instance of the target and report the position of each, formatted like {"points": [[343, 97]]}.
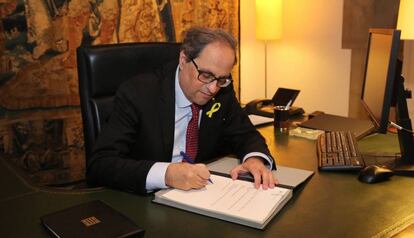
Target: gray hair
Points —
{"points": [[196, 38]]}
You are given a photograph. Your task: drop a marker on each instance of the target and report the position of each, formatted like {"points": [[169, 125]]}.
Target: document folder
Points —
{"points": [[92, 219], [328, 122]]}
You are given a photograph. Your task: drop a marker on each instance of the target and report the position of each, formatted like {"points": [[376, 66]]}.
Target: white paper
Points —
{"points": [[259, 120]]}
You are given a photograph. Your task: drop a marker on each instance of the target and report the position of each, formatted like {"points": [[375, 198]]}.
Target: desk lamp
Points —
{"points": [[268, 24], [405, 19]]}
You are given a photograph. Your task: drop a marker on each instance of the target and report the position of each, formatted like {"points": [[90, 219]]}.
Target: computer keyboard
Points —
{"points": [[337, 150]]}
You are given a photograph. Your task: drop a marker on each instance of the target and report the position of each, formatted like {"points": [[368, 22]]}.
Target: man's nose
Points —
{"points": [[213, 87]]}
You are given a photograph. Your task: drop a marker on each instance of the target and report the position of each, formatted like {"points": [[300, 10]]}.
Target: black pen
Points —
{"points": [[188, 159]]}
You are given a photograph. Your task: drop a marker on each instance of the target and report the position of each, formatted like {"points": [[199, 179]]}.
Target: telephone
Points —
{"points": [[282, 97]]}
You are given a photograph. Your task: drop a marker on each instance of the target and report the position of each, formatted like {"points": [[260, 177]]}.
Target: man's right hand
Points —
{"points": [[187, 176]]}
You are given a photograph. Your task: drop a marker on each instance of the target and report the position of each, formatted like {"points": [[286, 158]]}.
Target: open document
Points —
{"points": [[235, 201]]}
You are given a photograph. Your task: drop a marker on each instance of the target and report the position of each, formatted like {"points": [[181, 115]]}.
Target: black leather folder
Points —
{"points": [[91, 219], [329, 122]]}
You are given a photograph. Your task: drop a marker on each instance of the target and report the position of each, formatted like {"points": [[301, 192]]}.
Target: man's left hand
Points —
{"points": [[260, 172]]}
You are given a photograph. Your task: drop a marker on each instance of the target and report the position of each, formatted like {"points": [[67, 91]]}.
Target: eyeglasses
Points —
{"points": [[207, 77]]}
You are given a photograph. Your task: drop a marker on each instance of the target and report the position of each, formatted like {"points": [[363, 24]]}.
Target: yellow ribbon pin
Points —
{"points": [[216, 106]]}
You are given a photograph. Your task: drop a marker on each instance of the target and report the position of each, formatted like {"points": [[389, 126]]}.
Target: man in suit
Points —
{"points": [[187, 112]]}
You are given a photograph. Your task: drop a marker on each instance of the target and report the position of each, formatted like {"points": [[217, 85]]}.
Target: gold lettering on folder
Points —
{"points": [[90, 221]]}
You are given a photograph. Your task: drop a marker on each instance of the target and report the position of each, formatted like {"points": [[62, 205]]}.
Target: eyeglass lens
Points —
{"points": [[207, 77]]}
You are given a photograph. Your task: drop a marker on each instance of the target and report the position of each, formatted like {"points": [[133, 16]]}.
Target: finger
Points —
{"points": [[199, 183], [235, 172], [257, 178], [272, 180], [194, 176], [265, 179], [204, 180], [202, 171], [238, 170], [184, 186]]}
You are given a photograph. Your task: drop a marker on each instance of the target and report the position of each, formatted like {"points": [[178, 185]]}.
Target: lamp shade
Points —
{"points": [[406, 20], [268, 19]]}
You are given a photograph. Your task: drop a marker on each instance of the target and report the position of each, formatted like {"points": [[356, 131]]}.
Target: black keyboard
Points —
{"points": [[337, 150]]}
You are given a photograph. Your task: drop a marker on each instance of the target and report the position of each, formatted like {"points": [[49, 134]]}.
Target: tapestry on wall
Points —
{"points": [[40, 123]]}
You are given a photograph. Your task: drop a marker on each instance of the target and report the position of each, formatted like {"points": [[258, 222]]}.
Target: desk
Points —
{"points": [[328, 205]]}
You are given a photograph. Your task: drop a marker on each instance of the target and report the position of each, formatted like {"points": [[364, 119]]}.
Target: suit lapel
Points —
{"points": [[204, 125], [166, 111], [209, 118]]}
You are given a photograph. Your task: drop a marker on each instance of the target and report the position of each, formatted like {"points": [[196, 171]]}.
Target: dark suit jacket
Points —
{"points": [[140, 132]]}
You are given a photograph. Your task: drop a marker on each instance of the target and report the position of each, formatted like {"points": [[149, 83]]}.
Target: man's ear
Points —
{"points": [[182, 59]]}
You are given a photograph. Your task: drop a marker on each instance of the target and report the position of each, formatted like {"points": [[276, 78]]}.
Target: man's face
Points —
{"points": [[216, 58]]}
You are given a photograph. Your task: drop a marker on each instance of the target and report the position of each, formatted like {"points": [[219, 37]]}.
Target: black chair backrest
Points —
{"points": [[102, 68]]}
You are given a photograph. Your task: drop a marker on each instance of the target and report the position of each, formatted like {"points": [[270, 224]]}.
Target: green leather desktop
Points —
{"points": [[329, 204]]}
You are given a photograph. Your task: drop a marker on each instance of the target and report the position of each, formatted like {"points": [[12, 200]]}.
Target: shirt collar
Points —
{"points": [[180, 99]]}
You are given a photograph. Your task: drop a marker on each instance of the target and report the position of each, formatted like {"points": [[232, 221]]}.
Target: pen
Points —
{"points": [[287, 107], [188, 159]]}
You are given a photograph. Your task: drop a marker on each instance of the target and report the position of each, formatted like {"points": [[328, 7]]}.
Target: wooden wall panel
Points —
{"points": [[358, 17]]}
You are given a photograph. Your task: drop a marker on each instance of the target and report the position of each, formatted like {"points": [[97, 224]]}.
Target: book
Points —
{"points": [[91, 219], [230, 200]]}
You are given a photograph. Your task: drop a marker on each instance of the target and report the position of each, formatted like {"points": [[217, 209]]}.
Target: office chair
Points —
{"points": [[101, 70]]}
